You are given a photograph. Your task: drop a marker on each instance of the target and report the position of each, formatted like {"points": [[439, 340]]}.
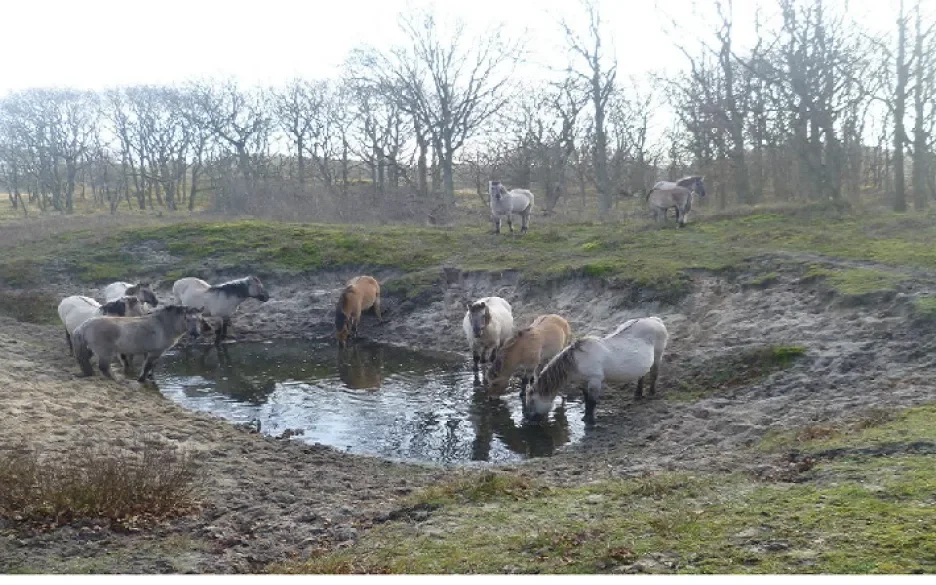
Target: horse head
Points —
{"points": [[496, 190], [255, 289], [195, 324], [699, 186], [480, 317]]}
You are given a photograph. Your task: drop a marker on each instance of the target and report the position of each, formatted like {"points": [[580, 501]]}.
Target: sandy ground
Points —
{"points": [[266, 500]]}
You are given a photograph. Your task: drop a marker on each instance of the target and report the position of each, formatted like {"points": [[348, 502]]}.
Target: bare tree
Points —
{"points": [[600, 75]]}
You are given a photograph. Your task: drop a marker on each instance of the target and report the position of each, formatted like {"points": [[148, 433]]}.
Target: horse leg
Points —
{"points": [[592, 392], [224, 326], [148, 366], [477, 360], [497, 222], [510, 222], [654, 373], [525, 223], [638, 393], [104, 365], [377, 310]]}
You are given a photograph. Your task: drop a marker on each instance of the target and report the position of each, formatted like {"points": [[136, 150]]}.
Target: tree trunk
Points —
{"points": [[900, 195], [919, 131]]}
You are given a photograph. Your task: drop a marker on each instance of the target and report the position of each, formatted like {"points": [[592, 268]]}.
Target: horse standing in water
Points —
{"points": [[362, 293], [504, 202], [488, 323], [666, 194], [528, 350], [631, 352], [218, 301]]}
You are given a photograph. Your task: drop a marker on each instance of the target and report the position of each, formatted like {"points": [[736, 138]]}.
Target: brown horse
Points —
{"points": [[528, 350], [361, 294]]}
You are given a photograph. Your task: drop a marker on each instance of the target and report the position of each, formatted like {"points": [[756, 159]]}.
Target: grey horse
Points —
{"points": [[678, 194]]}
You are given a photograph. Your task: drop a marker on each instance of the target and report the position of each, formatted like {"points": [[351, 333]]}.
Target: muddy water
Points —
{"points": [[368, 399]]}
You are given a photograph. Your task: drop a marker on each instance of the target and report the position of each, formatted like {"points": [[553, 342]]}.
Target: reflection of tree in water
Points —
{"points": [[491, 417]]}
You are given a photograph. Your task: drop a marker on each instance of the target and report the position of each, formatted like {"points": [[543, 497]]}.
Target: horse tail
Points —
{"points": [[340, 316], [647, 196], [82, 352]]}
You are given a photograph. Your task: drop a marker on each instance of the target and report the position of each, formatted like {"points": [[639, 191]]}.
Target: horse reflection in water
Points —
{"points": [[227, 376], [361, 370], [492, 418]]}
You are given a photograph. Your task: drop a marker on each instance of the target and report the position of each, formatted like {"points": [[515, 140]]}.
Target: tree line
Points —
{"points": [[817, 108]]}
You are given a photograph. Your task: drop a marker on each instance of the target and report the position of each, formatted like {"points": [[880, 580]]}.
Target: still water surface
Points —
{"points": [[369, 399]]}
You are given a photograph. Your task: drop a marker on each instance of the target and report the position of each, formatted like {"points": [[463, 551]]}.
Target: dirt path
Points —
{"points": [[267, 499]]}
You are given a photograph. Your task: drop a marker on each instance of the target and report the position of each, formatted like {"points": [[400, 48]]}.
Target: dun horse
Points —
{"points": [[504, 202], [488, 323], [633, 351], [528, 350], [75, 310], [362, 293], [151, 334], [665, 195], [218, 301], [140, 290]]}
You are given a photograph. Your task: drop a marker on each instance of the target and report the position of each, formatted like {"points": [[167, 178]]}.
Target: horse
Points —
{"points": [[362, 293], [218, 301], [504, 202], [76, 309], [667, 194], [528, 350], [151, 334], [631, 352], [140, 290], [488, 323]]}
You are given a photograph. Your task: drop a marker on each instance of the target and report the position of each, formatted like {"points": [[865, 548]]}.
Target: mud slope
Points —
{"points": [[267, 499]]}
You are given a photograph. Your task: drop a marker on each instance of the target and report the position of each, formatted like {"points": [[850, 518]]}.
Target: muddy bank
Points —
{"points": [[265, 500]]}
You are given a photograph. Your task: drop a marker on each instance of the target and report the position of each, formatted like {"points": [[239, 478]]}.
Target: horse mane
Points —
{"points": [[116, 308], [688, 182], [556, 372], [237, 288]]}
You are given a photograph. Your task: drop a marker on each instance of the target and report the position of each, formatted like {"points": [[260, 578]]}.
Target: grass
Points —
{"points": [[148, 481], [865, 519], [732, 371], [30, 307], [654, 262]]}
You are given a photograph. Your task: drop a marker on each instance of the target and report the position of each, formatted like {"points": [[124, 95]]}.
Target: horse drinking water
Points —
{"points": [[488, 323], [151, 334], [666, 194], [528, 350], [361, 294], [631, 352], [504, 202], [218, 301]]}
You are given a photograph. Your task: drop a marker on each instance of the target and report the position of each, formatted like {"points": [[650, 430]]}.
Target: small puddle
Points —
{"points": [[369, 399]]}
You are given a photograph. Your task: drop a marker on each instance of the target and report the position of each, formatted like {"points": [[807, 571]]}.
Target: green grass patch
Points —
{"points": [[925, 307], [735, 371], [872, 429], [868, 517], [860, 281]]}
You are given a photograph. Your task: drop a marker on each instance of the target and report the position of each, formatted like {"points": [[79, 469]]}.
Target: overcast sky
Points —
{"points": [[102, 43]]}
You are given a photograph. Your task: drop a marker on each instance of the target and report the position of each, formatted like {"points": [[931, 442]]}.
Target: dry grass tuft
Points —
{"points": [[126, 488]]}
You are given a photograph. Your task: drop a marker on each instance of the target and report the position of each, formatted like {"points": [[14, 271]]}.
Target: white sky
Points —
{"points": [[96, 44], [100, 43]]}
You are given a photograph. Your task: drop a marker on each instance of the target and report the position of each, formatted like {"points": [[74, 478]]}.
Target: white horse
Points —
{"points": [[630, 353], [504, 202], [678, 195], [140, 290], [488, 323], [76, 309], [218, 301]]}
